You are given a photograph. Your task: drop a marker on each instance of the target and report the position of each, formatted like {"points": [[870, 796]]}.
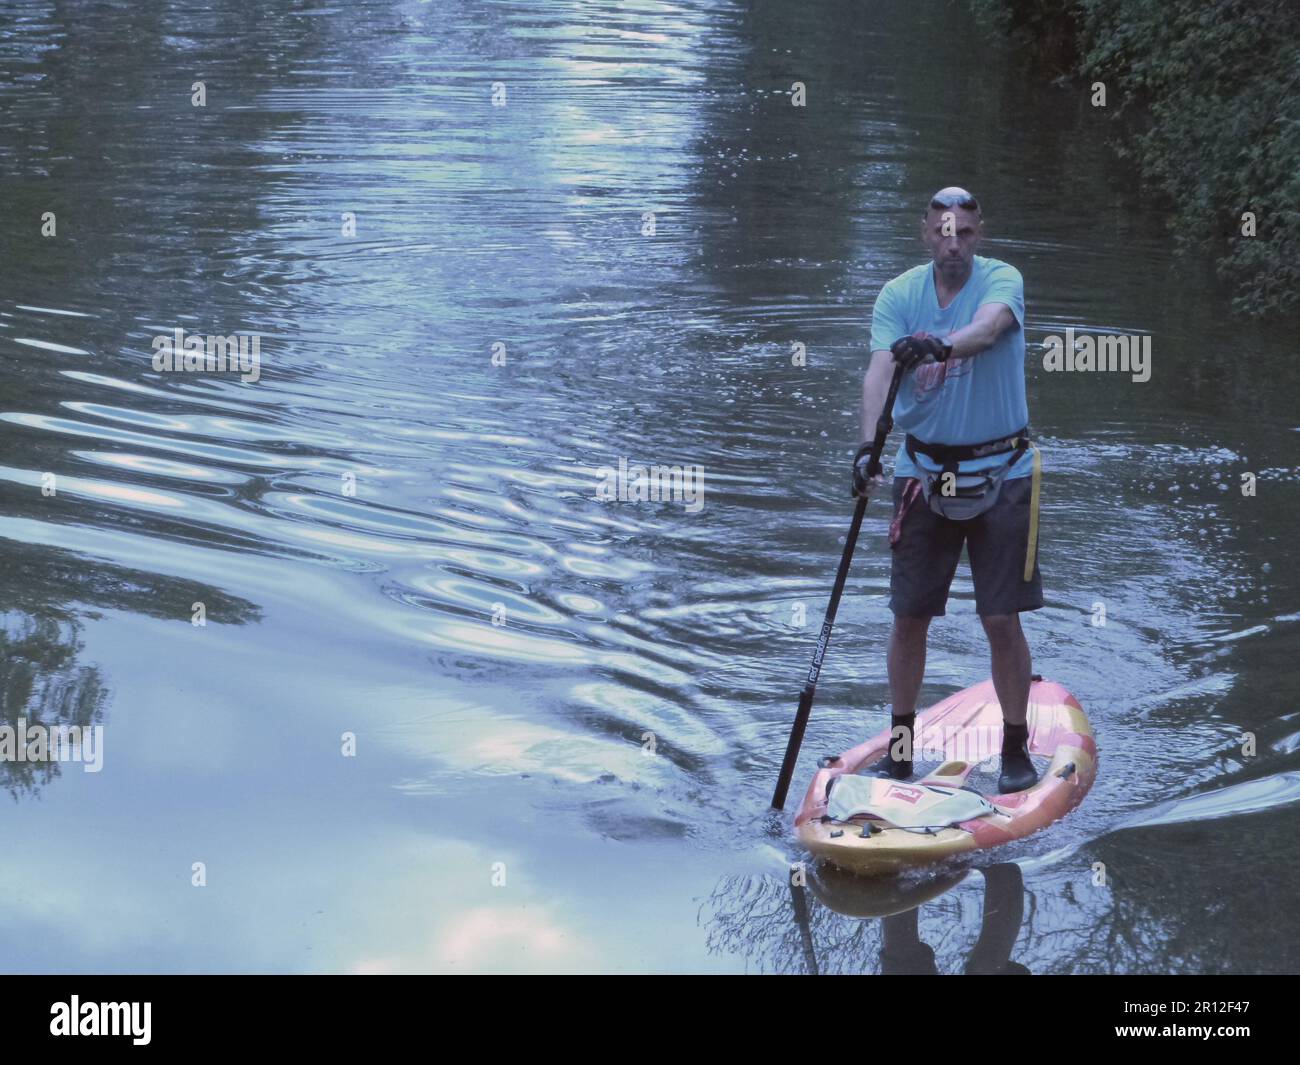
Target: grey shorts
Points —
{"points": [[997, 541]]}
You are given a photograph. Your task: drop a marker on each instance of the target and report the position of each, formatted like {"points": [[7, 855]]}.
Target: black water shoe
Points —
{"points": [[1018, 772], [897, 768]]}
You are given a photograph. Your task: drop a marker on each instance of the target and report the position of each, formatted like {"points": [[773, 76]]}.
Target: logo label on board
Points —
{"points": [[903, 792]]}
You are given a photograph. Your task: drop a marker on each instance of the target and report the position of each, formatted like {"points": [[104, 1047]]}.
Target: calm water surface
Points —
{"points": [[353, 522]]}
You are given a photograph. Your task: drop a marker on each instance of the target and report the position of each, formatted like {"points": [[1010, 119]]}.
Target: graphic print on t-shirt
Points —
{"points": [[929, 378]]}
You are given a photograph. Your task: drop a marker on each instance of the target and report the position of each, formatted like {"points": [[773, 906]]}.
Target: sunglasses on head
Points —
{"points": [[967, 203]]}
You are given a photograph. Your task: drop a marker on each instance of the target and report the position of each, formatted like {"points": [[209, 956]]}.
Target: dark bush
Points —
{"points": [[1207, 93]]}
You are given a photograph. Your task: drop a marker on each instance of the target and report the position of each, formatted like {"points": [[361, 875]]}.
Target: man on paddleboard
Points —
{"points": [[965, 474]]}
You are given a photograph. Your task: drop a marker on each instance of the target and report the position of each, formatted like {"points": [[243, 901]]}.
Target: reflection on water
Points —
{"points": [[42, 687], [395, 532]]}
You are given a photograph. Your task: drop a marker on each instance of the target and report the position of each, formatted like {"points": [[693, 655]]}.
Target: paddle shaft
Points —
{"points": [[883, 425]]}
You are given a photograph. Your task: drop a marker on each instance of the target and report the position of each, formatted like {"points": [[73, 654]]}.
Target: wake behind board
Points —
{"points": [[875, 825]]}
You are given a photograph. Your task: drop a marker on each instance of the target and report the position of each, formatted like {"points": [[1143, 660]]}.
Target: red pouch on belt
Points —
{"points": [[911, 490]]}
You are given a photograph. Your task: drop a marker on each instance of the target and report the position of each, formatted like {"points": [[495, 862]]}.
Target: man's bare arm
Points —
{"points": [[989, 323], [875, 387]]}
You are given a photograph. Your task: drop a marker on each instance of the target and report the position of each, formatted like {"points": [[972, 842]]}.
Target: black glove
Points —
{"points": [[863, 470], [911, 351]]}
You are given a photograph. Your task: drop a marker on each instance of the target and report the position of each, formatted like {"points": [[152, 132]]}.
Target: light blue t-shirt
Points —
{"points": [[962, 401]]}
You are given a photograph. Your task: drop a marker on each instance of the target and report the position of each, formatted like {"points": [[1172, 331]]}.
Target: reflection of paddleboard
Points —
{"points": [[856, 896], [875, 825]]}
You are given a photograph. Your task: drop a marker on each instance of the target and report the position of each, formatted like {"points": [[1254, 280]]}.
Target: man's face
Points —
{"points": [[952, 235]]}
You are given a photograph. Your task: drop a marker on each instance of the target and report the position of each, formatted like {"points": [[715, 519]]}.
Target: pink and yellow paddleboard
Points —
{"points": [[873, 825]]}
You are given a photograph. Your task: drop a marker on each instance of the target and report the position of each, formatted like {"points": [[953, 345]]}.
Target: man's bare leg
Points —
{"points": [[906, 662], [1012, 668], [1012, 672]]}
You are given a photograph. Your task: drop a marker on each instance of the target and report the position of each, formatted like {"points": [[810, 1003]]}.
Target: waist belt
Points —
{"points": [[948, 455]]}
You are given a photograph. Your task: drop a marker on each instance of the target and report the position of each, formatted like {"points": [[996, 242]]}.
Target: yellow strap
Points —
{"points": [[1031, 550]]}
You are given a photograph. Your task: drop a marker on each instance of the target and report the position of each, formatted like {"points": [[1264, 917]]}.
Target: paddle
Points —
{"points": [[883, 424]]}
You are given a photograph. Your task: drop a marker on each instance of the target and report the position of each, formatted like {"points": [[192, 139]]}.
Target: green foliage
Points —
{"points": [[1047, 29], [1207, 89]]}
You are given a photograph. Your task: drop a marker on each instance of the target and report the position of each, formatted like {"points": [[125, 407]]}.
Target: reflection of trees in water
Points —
{"points": [[41, 683], [1107, 930], [1071, 926], [753, 917], [46, 590], [1183, 899]]}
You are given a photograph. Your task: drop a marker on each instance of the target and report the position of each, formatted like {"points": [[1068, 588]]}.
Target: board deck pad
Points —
{"points": [[983, 778]]}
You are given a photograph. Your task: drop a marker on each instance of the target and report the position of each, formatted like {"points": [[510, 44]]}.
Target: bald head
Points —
{"points": [[954, 196]]}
